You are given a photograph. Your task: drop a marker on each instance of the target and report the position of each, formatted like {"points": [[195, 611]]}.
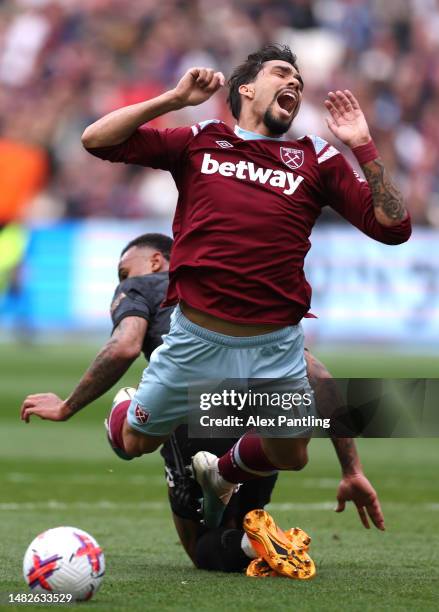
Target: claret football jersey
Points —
{"points": [[246, 208]]}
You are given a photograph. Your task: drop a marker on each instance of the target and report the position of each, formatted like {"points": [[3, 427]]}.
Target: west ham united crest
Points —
{"points": [[142, 415], [293, 158]]}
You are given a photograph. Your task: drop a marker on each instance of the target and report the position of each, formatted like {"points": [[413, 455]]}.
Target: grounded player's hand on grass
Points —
{"points": [[198, 85], [45, 405], [347, 121], [357, 488]]}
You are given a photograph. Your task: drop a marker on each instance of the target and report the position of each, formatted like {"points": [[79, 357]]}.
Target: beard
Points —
{"points": [[276, 126]]}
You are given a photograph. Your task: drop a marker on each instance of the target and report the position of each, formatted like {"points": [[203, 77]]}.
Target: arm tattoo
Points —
{"points": [[347, 454], [386, 196], [107, 368]]}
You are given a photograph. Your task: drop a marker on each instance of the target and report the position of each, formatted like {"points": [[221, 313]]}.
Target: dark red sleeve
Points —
{"points": [[149, 147], [351, 197]]}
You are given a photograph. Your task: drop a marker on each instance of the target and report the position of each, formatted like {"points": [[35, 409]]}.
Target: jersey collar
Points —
{"points": [[247, 135]]}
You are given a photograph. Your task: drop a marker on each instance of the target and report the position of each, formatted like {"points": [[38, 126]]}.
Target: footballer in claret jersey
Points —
{"points": [[248, 200]]}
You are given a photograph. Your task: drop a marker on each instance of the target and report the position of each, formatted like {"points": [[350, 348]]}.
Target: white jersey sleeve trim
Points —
{"points": [[203, 124], [330, 152], [319, 143], [196, 129]]}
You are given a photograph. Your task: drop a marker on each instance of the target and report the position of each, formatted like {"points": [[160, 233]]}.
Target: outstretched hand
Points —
{"points": [[347, 121], [357, 488], [45, 405], [198, 85]]}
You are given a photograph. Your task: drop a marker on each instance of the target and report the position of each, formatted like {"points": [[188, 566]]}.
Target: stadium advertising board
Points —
{"points": [[363, 291]]}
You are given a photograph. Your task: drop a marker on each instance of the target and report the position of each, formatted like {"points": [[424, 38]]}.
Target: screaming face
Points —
{"points": [[282, 110], [277, 94]]}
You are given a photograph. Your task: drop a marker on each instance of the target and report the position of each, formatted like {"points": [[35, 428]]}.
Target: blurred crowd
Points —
{"points": [[64, 63]]}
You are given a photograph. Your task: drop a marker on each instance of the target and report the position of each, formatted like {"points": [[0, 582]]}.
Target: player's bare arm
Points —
{"points": [[354, 485], [111, 363], [195, 87], [348, 123]]}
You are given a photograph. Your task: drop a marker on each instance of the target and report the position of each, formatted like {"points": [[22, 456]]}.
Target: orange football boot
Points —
{"points": [[286, 555], [258, 568], [298, 537]]}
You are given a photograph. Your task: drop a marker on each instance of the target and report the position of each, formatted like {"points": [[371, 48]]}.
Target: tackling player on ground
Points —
{"points": [[139, 323]]}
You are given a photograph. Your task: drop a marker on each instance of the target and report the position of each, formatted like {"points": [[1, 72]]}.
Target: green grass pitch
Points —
{"points": [[63, 473]]}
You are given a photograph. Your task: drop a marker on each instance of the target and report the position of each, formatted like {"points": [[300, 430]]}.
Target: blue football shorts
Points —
{"points": [[191, 354]]}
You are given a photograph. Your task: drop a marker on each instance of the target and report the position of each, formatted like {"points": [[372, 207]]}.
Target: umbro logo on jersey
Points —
{"points": [[244, 170], [224, 144], [293, 158]]}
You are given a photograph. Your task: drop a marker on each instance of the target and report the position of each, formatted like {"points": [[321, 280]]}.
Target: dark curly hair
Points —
{"points": [[156, 241], [248, 71]]}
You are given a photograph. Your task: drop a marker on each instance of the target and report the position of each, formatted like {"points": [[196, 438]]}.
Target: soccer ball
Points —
{"points": [[64, 560]]}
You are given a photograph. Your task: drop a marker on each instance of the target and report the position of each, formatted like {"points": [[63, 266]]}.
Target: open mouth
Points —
{"points": [[287, 101]]}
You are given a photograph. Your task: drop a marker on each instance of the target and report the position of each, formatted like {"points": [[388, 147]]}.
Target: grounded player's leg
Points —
{"points": [[222, 550], [218, 549], [234, 551], [230, 549], [226, 548]]}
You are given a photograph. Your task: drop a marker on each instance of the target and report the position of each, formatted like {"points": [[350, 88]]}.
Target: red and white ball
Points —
{"points": [[64, 560]]}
